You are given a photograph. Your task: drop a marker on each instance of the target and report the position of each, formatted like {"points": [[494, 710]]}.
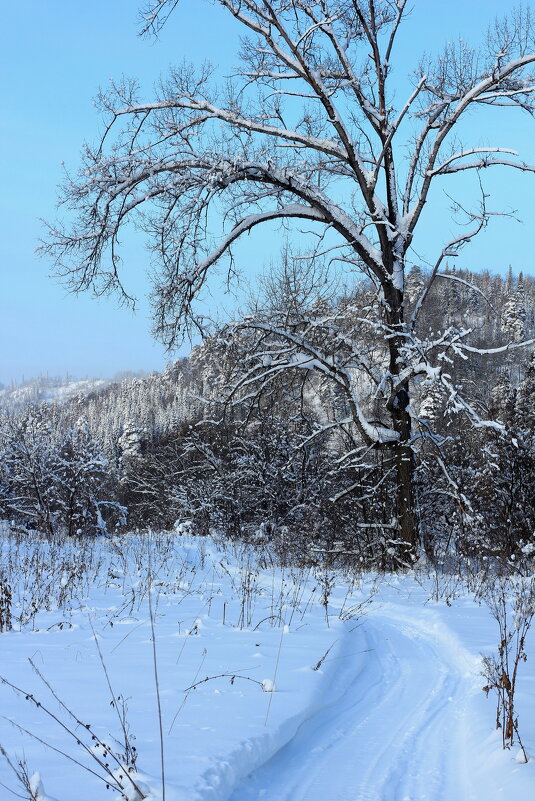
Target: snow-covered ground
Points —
{"points": [[319, 687]]}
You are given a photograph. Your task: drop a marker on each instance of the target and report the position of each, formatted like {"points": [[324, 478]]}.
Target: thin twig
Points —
{"points": [[157, 684], [230, 676]]}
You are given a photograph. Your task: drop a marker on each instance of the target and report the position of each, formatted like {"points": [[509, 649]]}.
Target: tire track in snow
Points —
{"points": [[395, 734]]}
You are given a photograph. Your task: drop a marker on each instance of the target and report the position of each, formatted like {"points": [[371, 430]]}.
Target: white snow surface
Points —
{"points": [[380, 702]]}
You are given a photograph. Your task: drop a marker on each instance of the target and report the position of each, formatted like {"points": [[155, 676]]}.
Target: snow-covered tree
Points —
{"points": [[29, 475], [525, 399], [432, 404], [309, 130], [84, 501], [54, 480], [132, 441], [502, 399], [514, 312]]}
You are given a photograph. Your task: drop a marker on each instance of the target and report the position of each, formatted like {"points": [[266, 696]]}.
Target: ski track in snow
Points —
{"points": [[397, 732]]}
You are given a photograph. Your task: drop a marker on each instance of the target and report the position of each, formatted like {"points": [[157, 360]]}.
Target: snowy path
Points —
{"points": [[395, 711], [395, 734]]}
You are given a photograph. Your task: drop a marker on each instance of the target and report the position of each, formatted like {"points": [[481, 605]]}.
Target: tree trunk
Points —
{"points": [[401, 420], [404, 461]]}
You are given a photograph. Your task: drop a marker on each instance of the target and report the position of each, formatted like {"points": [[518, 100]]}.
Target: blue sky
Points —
{"points": [[54, 54]]}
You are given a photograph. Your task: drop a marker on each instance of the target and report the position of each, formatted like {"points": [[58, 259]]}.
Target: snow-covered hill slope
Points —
{"points": [[376, 688], [49, 390]]}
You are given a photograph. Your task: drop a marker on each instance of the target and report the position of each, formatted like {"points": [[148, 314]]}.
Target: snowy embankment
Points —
{"points": [[374, 700]]}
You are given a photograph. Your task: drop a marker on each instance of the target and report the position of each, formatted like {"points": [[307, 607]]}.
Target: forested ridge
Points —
{"points": [[276, 460]]}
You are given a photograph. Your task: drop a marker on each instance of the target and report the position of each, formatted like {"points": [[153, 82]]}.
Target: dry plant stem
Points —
{"points": [[157, 685], [82, 725], [106, 779], [30, 697], [322, 659], [263, 620], [189, 632], [501, 671], [66, 709], [231, 676], [182, 705], [274, 676], [129, 752], [23, 777], [135, 628], [13, 792]]}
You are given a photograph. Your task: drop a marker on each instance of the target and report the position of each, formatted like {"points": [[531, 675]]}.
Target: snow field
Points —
{"points": [[379, 701]]}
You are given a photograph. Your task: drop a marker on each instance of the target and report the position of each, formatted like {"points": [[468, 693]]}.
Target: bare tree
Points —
{"points": [[305, 130]]}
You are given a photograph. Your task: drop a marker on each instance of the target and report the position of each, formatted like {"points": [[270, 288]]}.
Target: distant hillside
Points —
{"points": [[56, 389], [45, 389], [138, 408]]}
